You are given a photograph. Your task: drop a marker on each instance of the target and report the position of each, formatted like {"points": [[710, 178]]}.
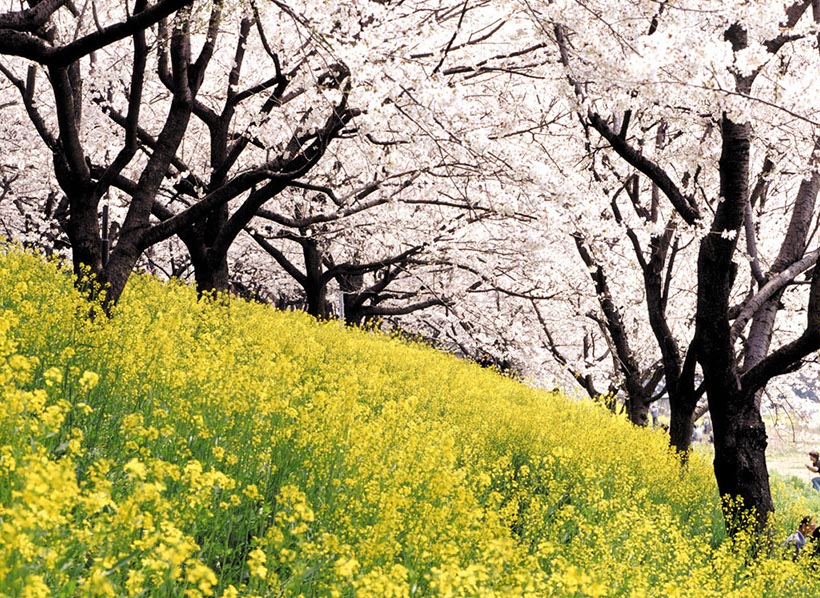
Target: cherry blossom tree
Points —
{"points": [[246, 118], [674, 106], [713, 75], [152, 162]]}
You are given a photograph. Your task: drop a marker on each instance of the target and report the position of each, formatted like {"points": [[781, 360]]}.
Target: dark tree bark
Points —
{"points": [[740, 436], [678, 372], [585, 379], [315, 286], [351, 286], [211, 271], [657, 270]]}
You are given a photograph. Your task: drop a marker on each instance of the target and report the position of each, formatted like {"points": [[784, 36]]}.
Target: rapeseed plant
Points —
{"points": [[190, 447]]}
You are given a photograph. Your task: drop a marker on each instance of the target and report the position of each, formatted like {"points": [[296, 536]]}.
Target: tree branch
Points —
{"points": [[774, 284], [401, 310], [787, 358], [131, 121], [30, 19], [685, 205], [349, 268], [286, 264], [27, 93], [108, 35]]}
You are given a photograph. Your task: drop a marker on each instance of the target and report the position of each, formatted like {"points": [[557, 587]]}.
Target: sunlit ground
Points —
{"points": [[789, 442]]}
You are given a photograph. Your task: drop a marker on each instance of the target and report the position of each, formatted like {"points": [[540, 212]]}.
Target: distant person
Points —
{"points": [[707, 430], [814, 467], [654, 412], [797, 539]]}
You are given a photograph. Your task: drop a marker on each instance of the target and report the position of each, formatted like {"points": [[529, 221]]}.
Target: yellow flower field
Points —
{"points": [[193, 448]]}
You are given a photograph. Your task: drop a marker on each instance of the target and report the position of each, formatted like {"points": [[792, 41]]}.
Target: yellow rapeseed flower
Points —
{"points": [[89, 380], [256, 563], [136, 469]]}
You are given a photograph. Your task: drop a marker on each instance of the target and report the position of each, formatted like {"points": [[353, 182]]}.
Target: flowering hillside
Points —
{"points": [[199, 448]]}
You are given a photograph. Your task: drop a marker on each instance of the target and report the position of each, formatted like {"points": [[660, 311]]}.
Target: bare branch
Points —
{"points": [[401, 310], [27, 92], [94, 41]]}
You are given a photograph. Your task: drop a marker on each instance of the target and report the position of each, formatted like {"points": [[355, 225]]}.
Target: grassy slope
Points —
{"points": [[188, 447]]}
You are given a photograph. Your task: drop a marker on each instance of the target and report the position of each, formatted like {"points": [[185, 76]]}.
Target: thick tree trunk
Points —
{"points": [[83, 230], [117, 272], [210, 271], [740, 455], [681, 426], [740, 436], [682, 404], [351, 285], [315, 284], [210, 263], [638, 410], [317, 300]]}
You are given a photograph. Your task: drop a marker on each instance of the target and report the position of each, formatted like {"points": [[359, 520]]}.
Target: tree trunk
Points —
{"points": [[210, 263], [317, 300], [637, 404], [315, 284], [351, 285], [740, 456], [638, 412], [83, 230], [210, 271], [682, 405], [681, 426], [740, 436], [117, 272], [679, 375]]}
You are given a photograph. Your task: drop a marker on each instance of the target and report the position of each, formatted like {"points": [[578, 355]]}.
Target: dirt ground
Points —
{"points": [[789, 443]]}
